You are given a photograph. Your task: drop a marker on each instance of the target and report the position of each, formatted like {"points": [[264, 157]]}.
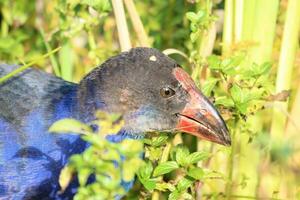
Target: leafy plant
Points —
{"points": [[104, 168]]}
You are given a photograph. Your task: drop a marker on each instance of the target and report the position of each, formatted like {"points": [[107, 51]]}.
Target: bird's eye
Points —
{"points": [[166, 92]]}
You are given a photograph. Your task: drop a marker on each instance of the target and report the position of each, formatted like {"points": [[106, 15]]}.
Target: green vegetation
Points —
{"points": [[243, 54]]}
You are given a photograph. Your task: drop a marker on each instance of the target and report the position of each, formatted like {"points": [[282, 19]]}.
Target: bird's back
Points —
{"points": [[30, 156], [28, 91]]}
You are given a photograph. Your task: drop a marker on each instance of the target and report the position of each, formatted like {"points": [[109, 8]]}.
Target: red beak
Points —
{"points": [[200, 117]]}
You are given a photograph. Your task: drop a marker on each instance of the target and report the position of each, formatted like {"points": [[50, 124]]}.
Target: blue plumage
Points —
{"points": [[31, 157]]}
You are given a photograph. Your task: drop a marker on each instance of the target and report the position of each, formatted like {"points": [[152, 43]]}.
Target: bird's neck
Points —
{"points": [[82, 105]]}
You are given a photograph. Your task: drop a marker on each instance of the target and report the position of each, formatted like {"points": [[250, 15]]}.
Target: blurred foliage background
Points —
{"points": [[244, 54]]}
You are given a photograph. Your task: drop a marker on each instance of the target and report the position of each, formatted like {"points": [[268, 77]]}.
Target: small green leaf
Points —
{"points": [[191, 16], [182, 152], [200, 15], [149, 184], [175, 195], [236, 93], [214, 62], [65, 177], [157, 141], [83, 175], [197, 156], [194, 36], [264, 68], [242, 107], [69, 125], [130, 147], [165, 186], [144, 174], [165, 167], [196, 173], [130, 168], [209, 85], [145, 171], [186, 196], [225, 101], [184, 184]]}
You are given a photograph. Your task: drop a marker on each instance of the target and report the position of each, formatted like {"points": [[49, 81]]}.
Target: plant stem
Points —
{"points": [[24, 67], [231, 166], [286, 63], [238, 20], [137, 23], [53, 60], [66, 61], [123, 33], [228, 27], [248, 19], [293, 127], [164, 158], [264, 18], [4, 28]]}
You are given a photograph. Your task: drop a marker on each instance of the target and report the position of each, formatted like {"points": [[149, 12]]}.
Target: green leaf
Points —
{"points": [[186, 196], [242, 107], [65, 176], [214, 62], [197, 156], [165, 167], [182, 152], [157, 141], [200, 15], [236, 93], [130, 147], [230, 65], [149, 184], [95, 139], [184, 184], [154, 153], [264, 68], [194, 36], [256, 70], [175, 195], [131, 168], [144, 175], [68, 125], [225, 101], [83, 175], [208, 86], [110, 154], [196, 173], [145, 171], [191, 16], [165, 186], [99, 5]]}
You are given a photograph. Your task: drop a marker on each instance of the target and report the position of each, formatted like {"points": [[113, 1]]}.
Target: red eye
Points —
{"points": [[166, 92]]}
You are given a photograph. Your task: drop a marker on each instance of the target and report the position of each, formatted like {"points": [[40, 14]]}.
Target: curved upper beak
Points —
{"points": [[200, 117]]}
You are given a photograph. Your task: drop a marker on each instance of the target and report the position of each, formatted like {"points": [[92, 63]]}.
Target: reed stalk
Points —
{"points": [[123, 33], [137, 23], [227, 39], [285, 67]]}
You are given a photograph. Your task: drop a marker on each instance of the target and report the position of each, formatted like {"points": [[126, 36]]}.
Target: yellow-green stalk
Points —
{"points": [[263, 31], [227, 39], [286, 63], [26, 66]]}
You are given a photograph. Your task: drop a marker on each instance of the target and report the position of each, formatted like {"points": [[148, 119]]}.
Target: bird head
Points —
{"points": [[153, 93]]}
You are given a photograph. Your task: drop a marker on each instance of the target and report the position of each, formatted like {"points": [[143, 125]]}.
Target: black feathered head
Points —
{"points": [[154, 94]]}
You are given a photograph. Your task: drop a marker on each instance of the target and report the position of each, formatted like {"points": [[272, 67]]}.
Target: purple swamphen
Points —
{"points": [[151, 91]]}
